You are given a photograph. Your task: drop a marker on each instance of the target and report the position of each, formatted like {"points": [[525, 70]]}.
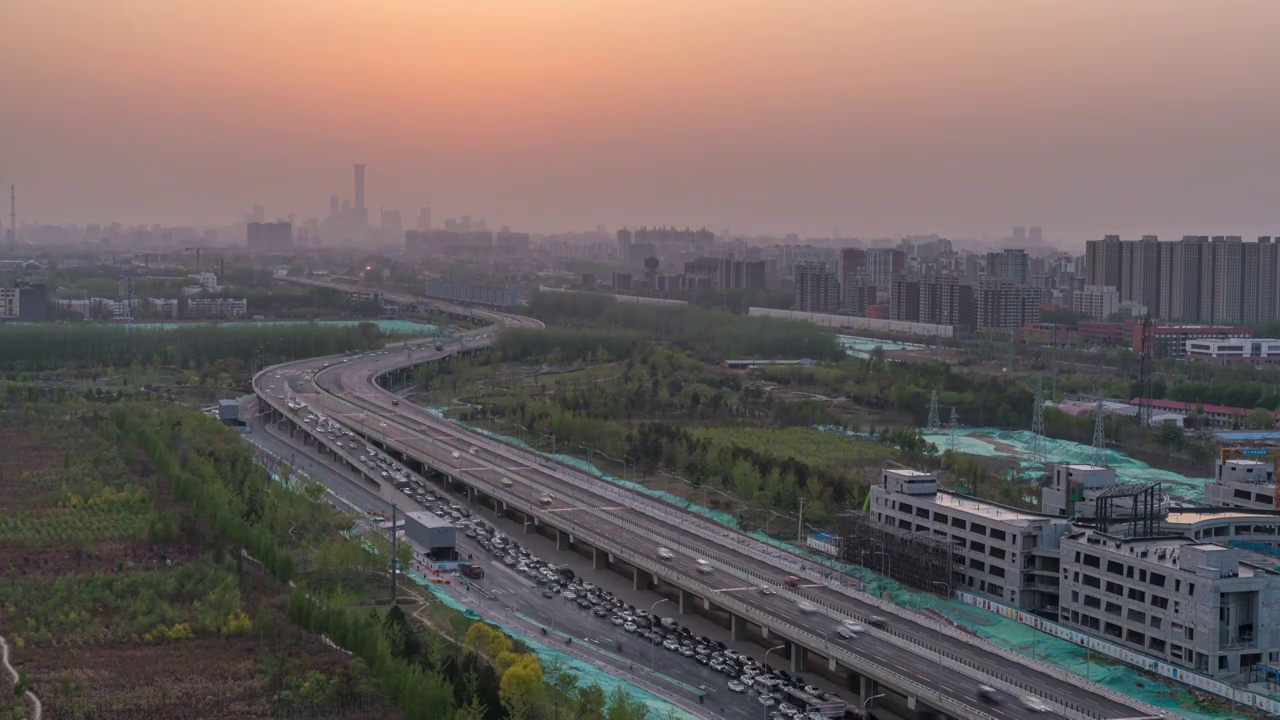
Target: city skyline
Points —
{"points": [[149, 111]]}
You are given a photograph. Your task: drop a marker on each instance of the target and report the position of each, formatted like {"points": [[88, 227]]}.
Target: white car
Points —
{"points": [[456, 454], [735, 686], [703, 566], [1035, 704], [665, 554], [807, 608]]}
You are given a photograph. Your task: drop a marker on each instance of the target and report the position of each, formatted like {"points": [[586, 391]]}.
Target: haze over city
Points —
{"points": [[1085, 117]]}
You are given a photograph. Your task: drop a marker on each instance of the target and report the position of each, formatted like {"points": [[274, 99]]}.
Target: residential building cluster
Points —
{"points": [[1218, 280], [1196, 587]]}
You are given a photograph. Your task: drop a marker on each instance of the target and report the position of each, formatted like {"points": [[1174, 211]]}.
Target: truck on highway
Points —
{"points": [[475, 572]]}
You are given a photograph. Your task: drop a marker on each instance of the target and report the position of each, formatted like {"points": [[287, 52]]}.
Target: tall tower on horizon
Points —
{"points": [[360, 188]]}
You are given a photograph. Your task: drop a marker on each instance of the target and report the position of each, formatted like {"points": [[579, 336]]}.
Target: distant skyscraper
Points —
{"points": [[424, 219], [1035, 236], [360, 188], [1019, 234]]}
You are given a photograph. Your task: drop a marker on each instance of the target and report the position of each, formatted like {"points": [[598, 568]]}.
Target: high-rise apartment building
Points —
{"points": [[816, 288], [269, 237], [945, 300], [883, 264], [1103, 259], [859, 292], [1011, 265], [1006, 305], [904, 298], [852, 260], [1220, 280]]}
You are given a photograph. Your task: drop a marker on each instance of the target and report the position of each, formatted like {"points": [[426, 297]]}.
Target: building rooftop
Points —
{"points": [[430, 520], [1005, 514], [909, 473], [1084, 467], [1189, 518]]}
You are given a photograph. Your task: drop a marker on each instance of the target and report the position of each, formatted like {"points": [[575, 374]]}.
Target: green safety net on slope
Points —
{"points": [[998, 630], [1016, 445], [587, 673]]}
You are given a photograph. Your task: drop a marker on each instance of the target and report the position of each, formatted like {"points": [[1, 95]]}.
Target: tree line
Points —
{"points": [[709, 335], [54, 347], [423, 673]]}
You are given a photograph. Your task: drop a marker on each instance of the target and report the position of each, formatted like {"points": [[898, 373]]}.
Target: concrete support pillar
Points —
{"points": [[737, 628], [687, 599], [764, 632], [832, 665], [530, 525], [599, 559], [911, 702], [799, 658], [643, 580], [562, 540], [499, 507], [866, 687], [708, 605]]}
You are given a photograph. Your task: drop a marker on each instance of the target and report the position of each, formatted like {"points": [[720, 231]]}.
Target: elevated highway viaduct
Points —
{"points": [[933, 670]]}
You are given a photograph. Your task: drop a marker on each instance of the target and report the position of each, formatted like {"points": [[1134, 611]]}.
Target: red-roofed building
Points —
{"points": [[1219, 415]]}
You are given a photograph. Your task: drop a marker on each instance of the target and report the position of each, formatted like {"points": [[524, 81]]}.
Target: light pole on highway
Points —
{"points": [[653, 621], [888, 564], [553, 440], [764, 709], [866, 704], [800, 525]]}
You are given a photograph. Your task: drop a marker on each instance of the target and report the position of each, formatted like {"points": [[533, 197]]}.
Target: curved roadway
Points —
{"points": [[346, 390]]}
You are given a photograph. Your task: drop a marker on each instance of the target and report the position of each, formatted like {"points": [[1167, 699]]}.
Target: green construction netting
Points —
{"points": [[1016, 445], [587, 673], [998, 630]]}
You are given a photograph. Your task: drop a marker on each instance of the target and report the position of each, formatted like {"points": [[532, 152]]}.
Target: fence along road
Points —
{"points": [[908, 643]]}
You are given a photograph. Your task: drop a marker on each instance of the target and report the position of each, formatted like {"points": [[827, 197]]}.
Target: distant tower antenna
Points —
{"points": [[934, 423], [1037, 424], [1099, 435]]}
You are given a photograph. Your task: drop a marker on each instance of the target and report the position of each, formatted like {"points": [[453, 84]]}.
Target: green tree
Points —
{"points": [[521, 688]]}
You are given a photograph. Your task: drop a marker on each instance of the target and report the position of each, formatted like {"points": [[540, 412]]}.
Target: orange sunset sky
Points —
{"points": [[876, 116]]}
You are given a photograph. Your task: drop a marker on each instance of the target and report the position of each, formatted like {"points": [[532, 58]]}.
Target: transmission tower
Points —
{"points": [[934, 422], [952, 424], [1145, 371], [1099, 435], [1037, 424]]}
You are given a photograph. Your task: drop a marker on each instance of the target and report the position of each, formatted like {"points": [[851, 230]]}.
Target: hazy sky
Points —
{"points": [[954, 116]]}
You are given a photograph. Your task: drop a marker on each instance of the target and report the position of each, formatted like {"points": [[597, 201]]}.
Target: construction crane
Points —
{"points": [[196, 250]]}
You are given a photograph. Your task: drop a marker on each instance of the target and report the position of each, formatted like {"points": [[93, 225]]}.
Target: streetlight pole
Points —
{"points": [[800, 525], [653, 620], [764, 710], [866, 704], [888, 564]]}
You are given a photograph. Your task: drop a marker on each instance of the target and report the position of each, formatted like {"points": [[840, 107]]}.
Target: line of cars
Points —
{"points": [[776, 689]]}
